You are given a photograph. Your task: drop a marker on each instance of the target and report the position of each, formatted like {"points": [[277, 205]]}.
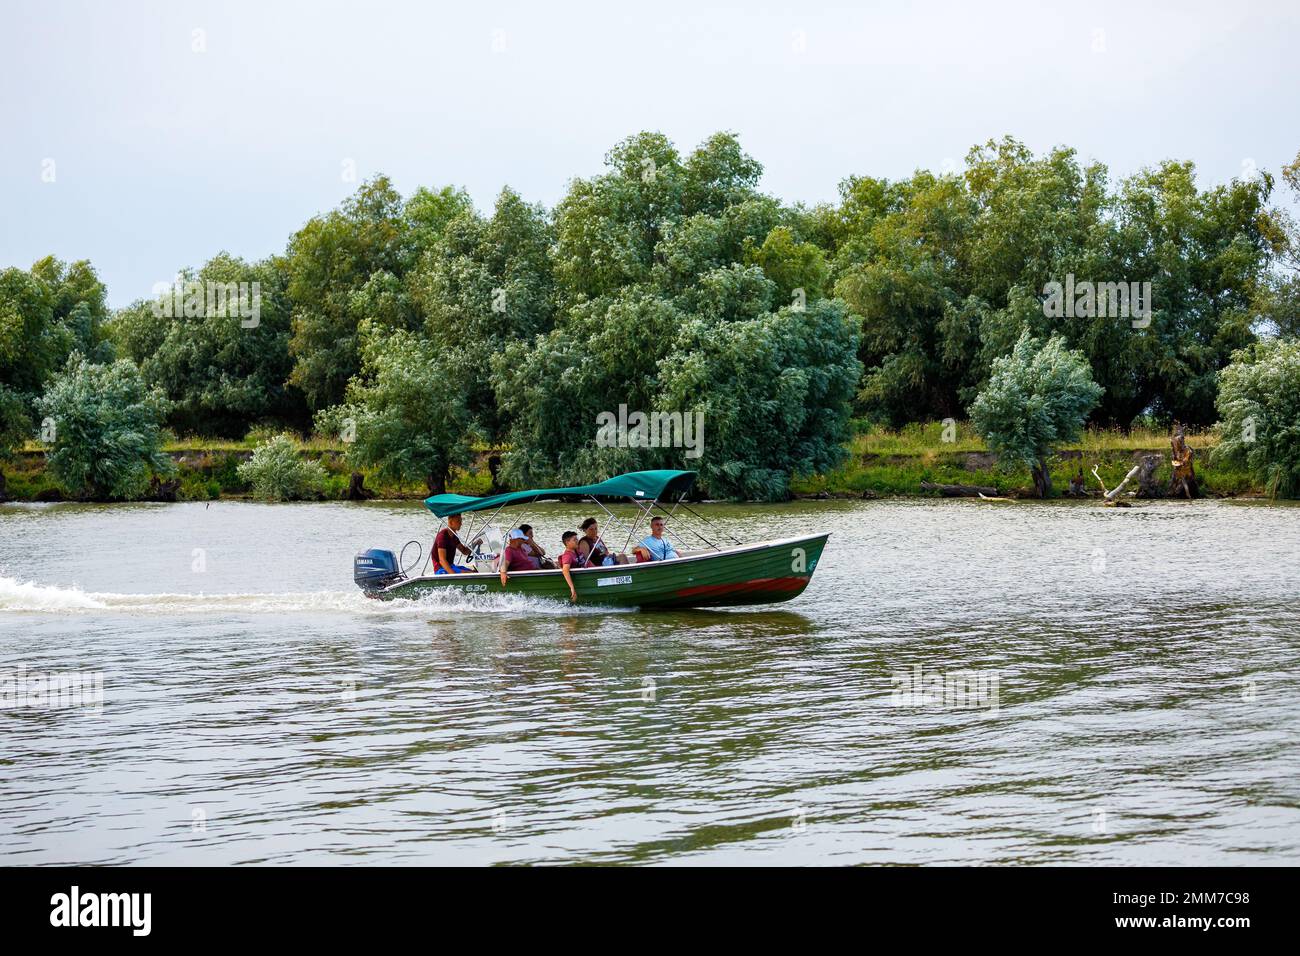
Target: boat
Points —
{"points": [[710, 575]]}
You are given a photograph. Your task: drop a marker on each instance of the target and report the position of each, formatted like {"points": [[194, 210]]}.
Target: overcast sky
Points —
{"points": [[166, 145]]}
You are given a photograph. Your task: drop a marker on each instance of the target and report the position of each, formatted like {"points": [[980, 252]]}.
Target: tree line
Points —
{"points": [[419, 329]]}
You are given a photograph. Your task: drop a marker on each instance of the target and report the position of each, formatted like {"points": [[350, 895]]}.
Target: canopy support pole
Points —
{"points": [[632, 530], [669, 514], [704, 520], [616, 520], [476, 532], [649, 510]]}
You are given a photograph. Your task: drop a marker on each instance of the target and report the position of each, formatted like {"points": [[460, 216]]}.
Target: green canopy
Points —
{"points": [[638, 485]]}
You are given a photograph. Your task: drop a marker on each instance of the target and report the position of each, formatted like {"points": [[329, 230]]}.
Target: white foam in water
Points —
{"points": [[31, 598], [26, 596]]}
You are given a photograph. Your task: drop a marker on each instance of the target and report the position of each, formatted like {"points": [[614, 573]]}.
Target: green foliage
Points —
{"points": [[79, 306], [136, 332], [774, 393], [195, 487], [406, 415], [277, 472], [948, 271], [1279, 302], [610, 228], [665, 283], [221, 370], [791, 264], [45, 315], [428, 212], [15, 423], [337, 266], [1259, 408], [1038, 396], [108, 429], [223, 469], [483, 284], [668, 272], [604, 354]]}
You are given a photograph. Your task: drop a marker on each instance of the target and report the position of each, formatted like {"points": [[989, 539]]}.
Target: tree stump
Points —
{"points": [[1184, 480], [357, 490], [1147, 486], [163, 489]]}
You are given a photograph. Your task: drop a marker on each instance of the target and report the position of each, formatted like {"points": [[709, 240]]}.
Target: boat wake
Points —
{"points": [[30, 598]]}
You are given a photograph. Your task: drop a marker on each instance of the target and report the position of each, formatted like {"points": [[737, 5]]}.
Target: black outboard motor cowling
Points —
{"points": [[375, 569]]}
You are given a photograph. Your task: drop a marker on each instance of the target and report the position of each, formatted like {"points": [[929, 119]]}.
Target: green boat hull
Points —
{"points": [[762, 573]]}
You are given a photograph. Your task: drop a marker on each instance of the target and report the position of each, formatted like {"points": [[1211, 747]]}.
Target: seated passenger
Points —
{"points": [[569, 559], [592, 550], [445, 546], [514, 558], [656, 547], [534, 550]]}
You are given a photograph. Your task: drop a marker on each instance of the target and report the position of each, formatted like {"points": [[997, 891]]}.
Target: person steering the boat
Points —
{"points": [[591, 547], [655, 547], [514, 558], [569, 559], [447, 544]]}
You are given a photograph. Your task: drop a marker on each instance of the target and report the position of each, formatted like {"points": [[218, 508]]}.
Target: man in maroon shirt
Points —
{"points": [[445, 546], [569, 559]]}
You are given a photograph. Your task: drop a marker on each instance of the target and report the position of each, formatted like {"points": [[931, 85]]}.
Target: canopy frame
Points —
{"points": [[636, 486]]}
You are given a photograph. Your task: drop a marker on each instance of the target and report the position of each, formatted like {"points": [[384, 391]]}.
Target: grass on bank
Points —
{"points": [[929, 437], [880, 462], [888, 462]]}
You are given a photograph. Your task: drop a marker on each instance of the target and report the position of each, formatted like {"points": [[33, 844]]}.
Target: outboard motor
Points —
{"points": [[375, 569]]}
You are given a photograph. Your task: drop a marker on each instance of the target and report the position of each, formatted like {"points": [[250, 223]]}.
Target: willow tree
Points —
{"points": [[483, 284], [1037, 397], [224, 366], [773, 395], [46, 313], [1259, 408], [107, 429], [405, 414], [353, 264]]}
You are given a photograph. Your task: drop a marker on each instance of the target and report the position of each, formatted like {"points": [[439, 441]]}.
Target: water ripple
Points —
{"points": [[961, 684]]}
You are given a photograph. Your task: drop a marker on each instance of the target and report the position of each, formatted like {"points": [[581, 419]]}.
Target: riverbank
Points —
{"points": [[881, 463], [896, 464]]}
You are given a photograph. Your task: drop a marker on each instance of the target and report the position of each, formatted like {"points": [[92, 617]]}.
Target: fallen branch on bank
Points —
{"points": [[1110, 496]]}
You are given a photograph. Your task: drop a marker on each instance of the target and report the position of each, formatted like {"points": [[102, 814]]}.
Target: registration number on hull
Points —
{"points": [[619, 579]]}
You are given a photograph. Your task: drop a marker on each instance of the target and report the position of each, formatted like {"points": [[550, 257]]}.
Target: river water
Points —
{"points": [[962, 683]]}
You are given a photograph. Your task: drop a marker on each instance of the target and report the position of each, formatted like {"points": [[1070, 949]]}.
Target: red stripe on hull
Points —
{"points": [[759, 585]]}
